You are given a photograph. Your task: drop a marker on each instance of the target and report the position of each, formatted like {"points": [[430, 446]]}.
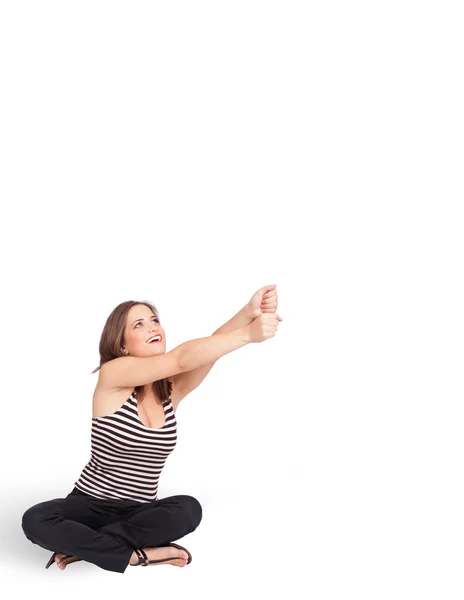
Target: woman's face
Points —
{"points": [[141, 325]]}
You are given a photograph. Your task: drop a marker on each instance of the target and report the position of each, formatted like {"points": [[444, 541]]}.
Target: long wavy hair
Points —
{"points": [[112, 339]]}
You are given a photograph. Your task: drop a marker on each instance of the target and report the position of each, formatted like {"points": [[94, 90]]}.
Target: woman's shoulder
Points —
{"points": [[108, 400]]}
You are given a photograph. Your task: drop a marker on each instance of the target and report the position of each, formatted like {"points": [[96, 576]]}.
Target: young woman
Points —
{"points": [[113, 517]]}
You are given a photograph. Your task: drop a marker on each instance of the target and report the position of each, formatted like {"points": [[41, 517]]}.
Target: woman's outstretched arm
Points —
{"points": [[242, 318], [186, 382], [265, 300]]}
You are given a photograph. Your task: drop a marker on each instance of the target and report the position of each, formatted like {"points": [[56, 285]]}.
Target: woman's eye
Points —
{"points": [[154, 319]]}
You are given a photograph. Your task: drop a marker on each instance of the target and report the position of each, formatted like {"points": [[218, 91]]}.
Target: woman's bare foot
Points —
{"points": [[178, 557], [62, 562]]}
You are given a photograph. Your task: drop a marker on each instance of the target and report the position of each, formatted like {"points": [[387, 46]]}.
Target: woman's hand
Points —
{"points": [[263, 327], [264, 301]]}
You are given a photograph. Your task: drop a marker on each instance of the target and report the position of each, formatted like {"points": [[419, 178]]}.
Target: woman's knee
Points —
{"points": [[197, 511], [31, 520], [34, 518], [193, 508]]}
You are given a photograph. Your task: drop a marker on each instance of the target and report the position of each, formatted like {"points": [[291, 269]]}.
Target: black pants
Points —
{"points": [[106, 532]]}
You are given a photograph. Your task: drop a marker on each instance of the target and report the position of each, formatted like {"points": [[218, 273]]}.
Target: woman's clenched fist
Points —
{"points": [[263, 327]]}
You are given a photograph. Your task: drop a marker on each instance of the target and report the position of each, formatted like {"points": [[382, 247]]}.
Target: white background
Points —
{"points": [[189, 153]]}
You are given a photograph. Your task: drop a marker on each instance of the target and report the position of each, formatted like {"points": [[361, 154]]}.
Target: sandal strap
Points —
{"points": [[159, 560], [143, 558]]}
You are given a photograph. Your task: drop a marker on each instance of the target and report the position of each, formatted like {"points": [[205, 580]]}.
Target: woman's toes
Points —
{"points": [[179, 562], [58, 560], [64, 559]]}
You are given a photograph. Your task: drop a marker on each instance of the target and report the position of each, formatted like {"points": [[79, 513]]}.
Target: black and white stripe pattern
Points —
{"points": [[127, 457]]}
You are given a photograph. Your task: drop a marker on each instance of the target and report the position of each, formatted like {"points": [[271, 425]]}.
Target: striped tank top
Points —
{"points": [[127, 457]]}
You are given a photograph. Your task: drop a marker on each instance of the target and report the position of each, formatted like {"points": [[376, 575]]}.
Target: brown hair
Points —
{"points": [[112, 338]]}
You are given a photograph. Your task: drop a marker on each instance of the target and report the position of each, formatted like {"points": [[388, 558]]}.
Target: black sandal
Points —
{"points": [[143, 558]]}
